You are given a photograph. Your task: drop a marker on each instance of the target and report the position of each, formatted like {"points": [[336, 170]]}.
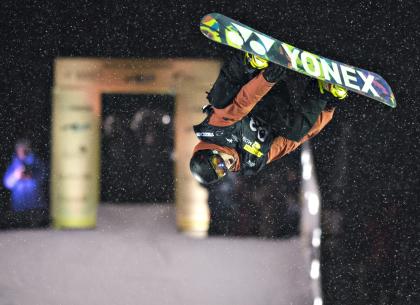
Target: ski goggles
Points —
{"points": [[218, 164]]}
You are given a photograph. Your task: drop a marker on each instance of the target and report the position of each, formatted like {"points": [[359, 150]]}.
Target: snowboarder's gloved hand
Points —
{"points": [[274, 73]]}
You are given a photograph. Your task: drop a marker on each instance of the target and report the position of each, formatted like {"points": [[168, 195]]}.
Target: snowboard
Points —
{"points": [[227, 31]]}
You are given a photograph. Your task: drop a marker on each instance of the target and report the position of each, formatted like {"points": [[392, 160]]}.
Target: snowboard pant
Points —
{"points": [[286, 118]]}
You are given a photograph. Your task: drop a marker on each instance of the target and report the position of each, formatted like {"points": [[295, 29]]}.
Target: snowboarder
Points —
{"points": [[252, 121]]}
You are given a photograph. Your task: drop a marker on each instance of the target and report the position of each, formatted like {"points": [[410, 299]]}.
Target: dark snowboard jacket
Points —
{"points": [[250, 153]]}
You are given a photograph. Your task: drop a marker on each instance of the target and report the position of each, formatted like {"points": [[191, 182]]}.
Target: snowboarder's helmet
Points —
{"points": [[207, 166]]}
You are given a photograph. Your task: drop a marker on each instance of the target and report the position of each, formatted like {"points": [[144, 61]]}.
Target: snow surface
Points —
{"points": [[135, 256]]}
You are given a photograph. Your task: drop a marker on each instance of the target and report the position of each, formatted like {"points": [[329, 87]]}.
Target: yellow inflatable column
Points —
{"points": [[75, 157], [192, 212]]}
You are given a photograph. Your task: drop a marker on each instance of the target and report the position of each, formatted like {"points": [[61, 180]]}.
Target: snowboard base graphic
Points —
{"points": [[224, 30]]}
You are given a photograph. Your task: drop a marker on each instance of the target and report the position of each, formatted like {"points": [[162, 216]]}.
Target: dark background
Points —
{"points": [[367, 158], [137, 148]]}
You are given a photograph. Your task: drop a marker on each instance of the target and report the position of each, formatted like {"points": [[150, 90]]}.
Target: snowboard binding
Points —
{"points": [[336, 90], [255, 61]]}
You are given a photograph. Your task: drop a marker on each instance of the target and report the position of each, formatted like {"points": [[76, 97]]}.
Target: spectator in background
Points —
{"points": [[25, 178]]}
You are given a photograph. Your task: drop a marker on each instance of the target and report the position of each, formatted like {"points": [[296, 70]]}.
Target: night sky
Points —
{"points": [[382, 144], [379, 37]]}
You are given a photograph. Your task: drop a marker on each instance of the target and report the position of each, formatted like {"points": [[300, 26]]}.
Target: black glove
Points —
{"points": [[274, 73]]}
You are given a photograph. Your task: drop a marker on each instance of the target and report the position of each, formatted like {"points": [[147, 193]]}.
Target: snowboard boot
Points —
{"points": [[255, 61], [234, 73], [336, 90]]}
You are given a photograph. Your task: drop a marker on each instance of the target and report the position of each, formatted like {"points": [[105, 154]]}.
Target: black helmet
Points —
{"points": [[207, 166]]}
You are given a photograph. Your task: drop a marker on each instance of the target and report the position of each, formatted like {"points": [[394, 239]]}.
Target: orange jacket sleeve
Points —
{"points": [[249, 95], [282, 146]]}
